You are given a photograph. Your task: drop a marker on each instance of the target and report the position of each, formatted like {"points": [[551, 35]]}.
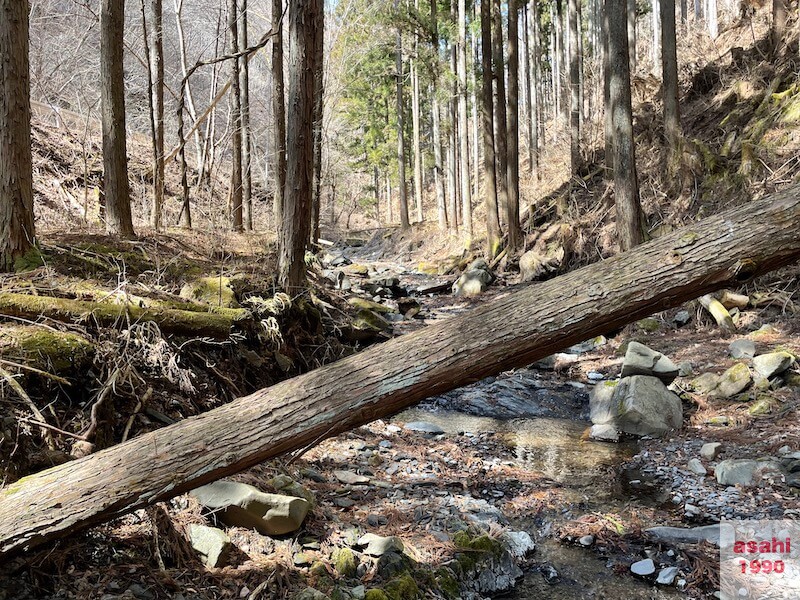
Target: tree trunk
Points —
{"points": [[669, 66], [244, 85], [778, 24], [463, 123], [190, 107], [505, 333], [415, 126], [626, 187], [512, 146], [438, 172], [608, 123], [574, 89], [16, 172], [487, 122], [631, 24], [655, 46], [235, 205], [452, 189], [116, 188], [528, 65], [319, 84], [536, 87], [305, 22], [401, 142], [711, 19], [278, 115], [157, 92], [501, 122]]}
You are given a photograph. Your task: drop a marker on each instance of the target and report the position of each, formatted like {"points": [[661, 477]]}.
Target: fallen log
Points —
{"points": [[216, 323], [511, 331]]}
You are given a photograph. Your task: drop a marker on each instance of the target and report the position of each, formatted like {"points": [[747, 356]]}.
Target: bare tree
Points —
{"points": [[401, 143], [116, 187], [574, 89], [669, 66], [501, 131], [235, 204], [466, 192], [778, 24], [247, 142], [16, 178], [438, 174], [306, 20], [415, 127], [512, 212]]}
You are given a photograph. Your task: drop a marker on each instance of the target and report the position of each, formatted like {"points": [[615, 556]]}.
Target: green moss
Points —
{"points": [[366, 320], [344, 561], [46, 349], [474, 548], [364, 304], [428, 268], [375, 594], [446, 581], [214, 291], [649, 324], [29, 261], [763, 405], [402, 588]]}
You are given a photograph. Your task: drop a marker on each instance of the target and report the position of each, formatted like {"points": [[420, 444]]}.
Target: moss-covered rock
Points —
{"points": [[402, 588], [447, 583], [46, 349], [375, 594], [364, 304], [214, 291], [344, 561]]}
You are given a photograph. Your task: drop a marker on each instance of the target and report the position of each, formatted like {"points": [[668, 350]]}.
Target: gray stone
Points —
{"points": [[350, 478], [681, 318], [212, 543], [605, 432], [742, 348], [359, 592], [696, 467], [685, 369], [711, 450], [774, 363], [424, 427], [745, 471], [473, 281], [643, 568], [586, 540], [310, 594], [518, 543], [378, 546], [680, 535], [286, 485], [641, 360], [602, 409], [732, 381], [667, 576], [647, 407], [242, 505], [705, 383]]}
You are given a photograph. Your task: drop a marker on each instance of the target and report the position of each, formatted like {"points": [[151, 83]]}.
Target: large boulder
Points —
{"points": [[732, 381], [474, 280], [211, 543], [241, 505], [646, 407], [745, 471], [602, 408], [641, 360], [774, 363]]}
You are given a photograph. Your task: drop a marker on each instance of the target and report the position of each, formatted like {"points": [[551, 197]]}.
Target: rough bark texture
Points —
{"points": [[278, 114], [463, 123], [487, 123], [236, 212], [669, 68], [501, 124], [305, 19], [16, 186], [512, 331], [608, 124], [574, 90], [116, 188], [215, 324], [157, 68], [319, 85], [244, 85], [512, 211], [401, 143], [778, 24], [438, 172], [626, 187]]}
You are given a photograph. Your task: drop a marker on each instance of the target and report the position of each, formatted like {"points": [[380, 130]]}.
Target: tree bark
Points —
{"points": [[487, 122], [626, 187], [608, 123], [244, 86], [508, 332], [574, 89], [16, 172], [778, 24], [157, 91], [237, 221], [631, 24], [512, 148], [401, 142], [116, 188], [415, 128], [463, 155], [319, 83], [305, 23], [278, 114], [438, 172], [501, 121], [655, 46], [669, 66]]}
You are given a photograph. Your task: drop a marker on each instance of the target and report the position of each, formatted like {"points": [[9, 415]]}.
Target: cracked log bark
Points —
{"points": [[511, 331]]}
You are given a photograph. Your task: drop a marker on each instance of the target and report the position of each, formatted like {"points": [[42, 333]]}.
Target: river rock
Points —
{"points": [[641, 360], [335, 259], [602, 409], [364, 304], [286, 485], [519, 543], [646, 406], [604, 432], [474, 280], [216, 291], [378, 546], [732, 381], [667, 576], [681, 318], [696, 467], [350, 478], [774, 363], [711, 450], [241, 505], [211, 543], [643, 568], [705, 383], [744, 471], [310, 594], [742, 348], [681, 535], [424, 427]]}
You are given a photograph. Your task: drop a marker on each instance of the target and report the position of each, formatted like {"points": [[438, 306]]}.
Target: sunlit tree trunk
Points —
{"points": [[669, 65], [463, 154], [631, 16], [401, 143], [574, 85], [655, 46], [116, 187], [16, 176], [501, 121], [157, 91], [438, 172], [487, 121], [235, 204], [244, 84], [190, 106], [608, 123], [278, 115], [778, 24], [415, 127], [305, 25], [319, 88]]}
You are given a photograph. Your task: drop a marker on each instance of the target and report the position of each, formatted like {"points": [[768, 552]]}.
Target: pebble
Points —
{"points": [[586, 540], [695, 466], [644, 567], [667, 576]]}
